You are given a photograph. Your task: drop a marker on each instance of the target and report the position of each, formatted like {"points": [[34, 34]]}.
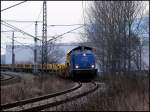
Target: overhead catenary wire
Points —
{"points": [[5, 49], [21, 36], [13, 31], [83, 13], [49, 25], [52, 25], [20, 43], [79, 33], [65, 25], [8, 31], [13, 5], [17, 29], [64, 33], [15, 50], [52, 36], [39, 14], [21, 21]]}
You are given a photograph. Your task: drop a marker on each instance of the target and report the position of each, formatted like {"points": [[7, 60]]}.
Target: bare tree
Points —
{"points": [[111, 30], [54, 54]]}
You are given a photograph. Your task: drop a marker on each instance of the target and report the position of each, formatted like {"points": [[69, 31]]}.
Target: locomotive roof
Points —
{"points": [[79, 48]]}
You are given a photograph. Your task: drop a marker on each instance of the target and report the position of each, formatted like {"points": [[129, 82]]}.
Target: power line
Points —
{"points": [[83, 13], [20, 43], [59, 35], [65, 25], [19, 21], [13, 6], [39, 13], [24, 44], [8, 49], [13, 31], [64, 34], [9, 31], [20, 37], [5, 49], [79, 33], [17, 29]]}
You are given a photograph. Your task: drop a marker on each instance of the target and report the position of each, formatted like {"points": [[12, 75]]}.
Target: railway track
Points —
{"points": [[7, 78], [51, 100]]}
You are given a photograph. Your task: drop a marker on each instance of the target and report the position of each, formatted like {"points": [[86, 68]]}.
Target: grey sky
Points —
{"points": [[65, 12], [59, 12]]}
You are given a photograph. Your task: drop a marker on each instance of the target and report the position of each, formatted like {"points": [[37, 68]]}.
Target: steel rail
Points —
{"points": [[32, 100], [55, 103], [12, 79], [9, 78]]}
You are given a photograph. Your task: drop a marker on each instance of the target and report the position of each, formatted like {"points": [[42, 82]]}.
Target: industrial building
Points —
{"points": [[25, 54]]}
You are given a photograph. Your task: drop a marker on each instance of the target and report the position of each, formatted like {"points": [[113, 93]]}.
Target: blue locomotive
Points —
{"points": [[81, 63]]}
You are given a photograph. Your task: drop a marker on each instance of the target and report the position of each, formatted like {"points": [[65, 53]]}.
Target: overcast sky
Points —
{"points": [[58, 12]]}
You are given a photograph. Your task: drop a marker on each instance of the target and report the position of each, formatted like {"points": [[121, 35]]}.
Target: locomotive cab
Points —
{"points": [[82, 63]]}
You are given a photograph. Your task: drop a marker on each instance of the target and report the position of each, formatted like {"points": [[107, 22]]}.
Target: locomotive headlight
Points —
{"points": [[84, 54], [76, 66], [92, 66]]}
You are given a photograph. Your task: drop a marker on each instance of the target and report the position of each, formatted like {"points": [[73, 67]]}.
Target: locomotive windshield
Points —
{"points": [[82, 51], [83, 59]]}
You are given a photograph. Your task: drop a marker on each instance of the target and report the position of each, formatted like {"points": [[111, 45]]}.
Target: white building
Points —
{"points": [[25, 54]]}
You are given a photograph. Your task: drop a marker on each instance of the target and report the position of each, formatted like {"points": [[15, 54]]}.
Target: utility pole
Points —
{"points": [[141, 44], [35, 49], [13, 54], [44, 36]]}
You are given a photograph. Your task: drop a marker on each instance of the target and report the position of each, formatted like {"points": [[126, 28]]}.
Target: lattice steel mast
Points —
{"points": [[13, 53], [35, 49], [44, 36]]}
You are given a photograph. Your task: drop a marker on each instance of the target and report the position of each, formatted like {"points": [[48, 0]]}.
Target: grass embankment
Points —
{"points": [[33, 86], [124, 93]]}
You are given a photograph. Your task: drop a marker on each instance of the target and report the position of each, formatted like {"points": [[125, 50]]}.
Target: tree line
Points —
{"points": [[113, 32]]}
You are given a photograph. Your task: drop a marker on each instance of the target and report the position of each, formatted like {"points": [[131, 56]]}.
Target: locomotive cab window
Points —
{"points": [[87, 51]]}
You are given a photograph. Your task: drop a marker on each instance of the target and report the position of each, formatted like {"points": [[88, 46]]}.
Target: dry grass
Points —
{"points": [[125, 93], [128, 93], [33, 87]]}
